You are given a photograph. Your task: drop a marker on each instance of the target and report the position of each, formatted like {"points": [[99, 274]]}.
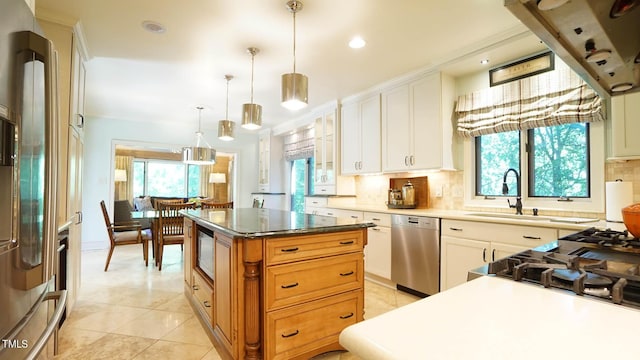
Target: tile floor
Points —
{"points": [[138, 312]]}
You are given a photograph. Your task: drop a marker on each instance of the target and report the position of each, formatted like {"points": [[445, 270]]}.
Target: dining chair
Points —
{"points": [[170, 227], [125, 234], [216, 205]]}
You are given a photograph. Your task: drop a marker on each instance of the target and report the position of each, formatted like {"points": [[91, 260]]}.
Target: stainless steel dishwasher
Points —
{"points": [[415, 253]]}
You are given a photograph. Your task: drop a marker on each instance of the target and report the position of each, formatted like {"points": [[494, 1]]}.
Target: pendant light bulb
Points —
{"points": [[226, 126], [295, 88], [252, 113]]}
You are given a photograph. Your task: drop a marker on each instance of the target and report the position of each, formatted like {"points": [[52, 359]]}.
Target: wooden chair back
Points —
{"points": [[128, 233], [214, 205], [107, 223], [170, 221]]}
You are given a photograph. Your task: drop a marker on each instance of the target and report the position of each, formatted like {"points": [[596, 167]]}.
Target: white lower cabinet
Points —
{"points": [[466, 245], [377, 253]]}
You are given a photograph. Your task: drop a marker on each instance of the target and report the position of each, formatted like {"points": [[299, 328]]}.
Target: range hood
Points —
{"points": [[596, 38]]}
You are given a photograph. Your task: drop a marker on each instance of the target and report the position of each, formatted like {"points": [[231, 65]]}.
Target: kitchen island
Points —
{"points": [[496, 318], [260, 280]]}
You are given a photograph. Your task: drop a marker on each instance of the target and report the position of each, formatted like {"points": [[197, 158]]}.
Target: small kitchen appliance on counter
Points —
{"points": [[408, 193], [601, 264]]}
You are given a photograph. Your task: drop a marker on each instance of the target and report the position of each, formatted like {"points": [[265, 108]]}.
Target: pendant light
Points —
{"points": [[252, 113], [295, 94], [199, 155], [226, 126]]}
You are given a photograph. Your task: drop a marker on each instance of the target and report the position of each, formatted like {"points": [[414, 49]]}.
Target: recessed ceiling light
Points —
{"points": [[153, 26], [484, 61], [357, 43]]}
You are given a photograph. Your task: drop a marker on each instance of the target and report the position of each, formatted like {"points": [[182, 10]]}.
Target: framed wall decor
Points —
{"points": [[522, 68]]}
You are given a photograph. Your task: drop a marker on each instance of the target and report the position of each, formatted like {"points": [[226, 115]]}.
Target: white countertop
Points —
{"points": [[494, 318], [468, 216]]}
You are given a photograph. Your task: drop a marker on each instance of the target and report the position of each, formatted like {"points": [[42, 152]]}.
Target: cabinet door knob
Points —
{"points": [[406, 161], [412, 160]]}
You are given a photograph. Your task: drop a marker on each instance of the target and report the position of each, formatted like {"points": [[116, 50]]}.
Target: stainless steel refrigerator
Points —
{"points": [[30, 306]]}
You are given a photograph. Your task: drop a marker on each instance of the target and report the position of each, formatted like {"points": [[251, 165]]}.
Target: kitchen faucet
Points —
{"points": [[505, 190]]}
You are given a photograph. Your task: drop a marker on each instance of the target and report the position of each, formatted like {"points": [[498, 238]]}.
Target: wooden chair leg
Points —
{"points": [[106, 266], [145, 250], [159, 259]]}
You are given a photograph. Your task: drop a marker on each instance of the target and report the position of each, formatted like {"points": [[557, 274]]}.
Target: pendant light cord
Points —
{"points": [[199, 133], [226, 113], [294, 41], [253, 55]]}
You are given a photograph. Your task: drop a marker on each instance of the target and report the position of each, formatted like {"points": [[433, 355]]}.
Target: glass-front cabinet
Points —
{"points": [[325, 153]]}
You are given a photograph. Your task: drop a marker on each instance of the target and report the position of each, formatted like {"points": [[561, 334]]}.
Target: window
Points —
{"points": [[559, 159], [557, 162], [165, 178], [301, 182]]}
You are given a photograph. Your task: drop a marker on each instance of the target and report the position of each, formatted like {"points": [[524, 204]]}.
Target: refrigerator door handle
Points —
{"points": [[52, 325]]}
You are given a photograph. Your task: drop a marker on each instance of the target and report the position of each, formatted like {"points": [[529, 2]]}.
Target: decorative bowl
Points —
{"points": [[631, 219]]}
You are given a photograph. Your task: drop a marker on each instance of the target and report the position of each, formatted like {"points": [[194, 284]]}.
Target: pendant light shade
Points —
{"points": [[226, 126], [252, 113], [295, 89], [199, 155]]}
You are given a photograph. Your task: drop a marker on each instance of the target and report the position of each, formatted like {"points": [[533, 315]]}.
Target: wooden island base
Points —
{"points": [[276, 297]]}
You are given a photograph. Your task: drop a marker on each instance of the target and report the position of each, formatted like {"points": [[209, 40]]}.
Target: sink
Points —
{"points": [[510, 216], [570, 220]]}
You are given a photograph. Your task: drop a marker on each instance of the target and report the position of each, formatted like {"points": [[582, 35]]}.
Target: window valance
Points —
{"points": [[299, 145], [552, 98]]}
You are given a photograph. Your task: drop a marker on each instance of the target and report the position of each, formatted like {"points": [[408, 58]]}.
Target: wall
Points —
{"points": [[100, 134]]}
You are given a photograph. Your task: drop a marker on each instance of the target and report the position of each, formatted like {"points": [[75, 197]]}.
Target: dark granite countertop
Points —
{"points": [[256, 222]]}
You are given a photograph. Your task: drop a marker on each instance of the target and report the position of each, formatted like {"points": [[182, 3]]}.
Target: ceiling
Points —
{"points": [[133, 74]]}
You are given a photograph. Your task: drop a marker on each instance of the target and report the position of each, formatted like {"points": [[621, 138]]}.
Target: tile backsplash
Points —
{"points": [[373, 190]]}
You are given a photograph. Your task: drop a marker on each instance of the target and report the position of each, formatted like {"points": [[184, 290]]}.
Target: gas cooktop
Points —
{"points": [[603, 264]]}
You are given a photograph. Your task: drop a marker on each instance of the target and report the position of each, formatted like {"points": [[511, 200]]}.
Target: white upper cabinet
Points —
{"points": [[360, 138], [326, 178], [417, 125], [625, 126]]}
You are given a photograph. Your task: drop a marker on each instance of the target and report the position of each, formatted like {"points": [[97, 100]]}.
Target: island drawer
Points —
{"points": [[283, 250], [298, 282], [203, 294], [300, 329]]}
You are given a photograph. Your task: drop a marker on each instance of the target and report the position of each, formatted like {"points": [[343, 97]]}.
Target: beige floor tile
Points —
{"points": [[179, 304], [171, 350], [212, 355], [110, 347], [153, 324], [109, 318], [72, 339], [190, 332]]}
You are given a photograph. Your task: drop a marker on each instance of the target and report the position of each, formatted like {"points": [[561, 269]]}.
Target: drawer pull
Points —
{"points": [[375, 229], [289, 249], [347, 273], [484, 255], [206, 303], [493, 255], [196, 287], [375, 219], [346, 316], [289, 286], [290, 334], [531, 237], [354, 216], [455, 229], [346, 242]]}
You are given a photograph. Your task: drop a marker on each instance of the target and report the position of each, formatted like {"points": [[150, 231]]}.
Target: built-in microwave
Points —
{"points": [[204, 251]]}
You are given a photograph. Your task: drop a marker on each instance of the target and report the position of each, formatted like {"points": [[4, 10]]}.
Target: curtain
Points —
{"points": [[299, 145], [124, 189], [552, 98]]}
